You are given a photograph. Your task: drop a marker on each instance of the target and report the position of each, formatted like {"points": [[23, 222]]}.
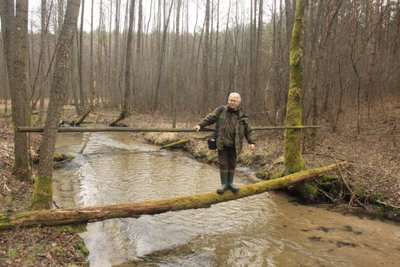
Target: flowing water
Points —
{"points": [[264, 230]]}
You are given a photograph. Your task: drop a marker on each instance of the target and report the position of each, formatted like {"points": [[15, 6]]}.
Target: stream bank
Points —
{"points": [[373, 177]]}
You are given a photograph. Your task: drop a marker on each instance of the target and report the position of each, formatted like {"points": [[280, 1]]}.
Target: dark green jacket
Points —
{"points": [[242, 127]]}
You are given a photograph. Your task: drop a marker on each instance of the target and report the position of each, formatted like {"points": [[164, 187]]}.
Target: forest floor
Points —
{"points": [[371, 186]]}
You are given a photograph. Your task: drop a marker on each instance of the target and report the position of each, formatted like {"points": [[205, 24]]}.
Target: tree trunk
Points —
{"points": [[151, 207], [354, 62], [15, 36], [259, 48], [138, 70], [40, 83], [75, 76], [92, 82], [175, 64], [206, 51], [83, 116], [115, 66], [80, 63], [42, 196], [293, 158], [128, 62], [161, 62]]}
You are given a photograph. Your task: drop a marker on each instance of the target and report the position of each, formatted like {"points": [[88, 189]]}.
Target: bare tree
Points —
{"points": [[80, 62], [92, 83], [138, 59], [175, 64], [15, 37], [42, 196], [161, 57], [128, 61], [206, 53]]}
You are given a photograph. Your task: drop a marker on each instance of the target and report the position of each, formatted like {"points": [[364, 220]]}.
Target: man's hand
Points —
{"points": [[252, 146], [197, 128]]}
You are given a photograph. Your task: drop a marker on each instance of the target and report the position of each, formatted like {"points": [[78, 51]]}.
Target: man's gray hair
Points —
{"points": [[237, 95]]}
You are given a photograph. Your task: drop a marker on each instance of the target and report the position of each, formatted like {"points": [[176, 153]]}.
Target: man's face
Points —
{"points": [[233, 102]]}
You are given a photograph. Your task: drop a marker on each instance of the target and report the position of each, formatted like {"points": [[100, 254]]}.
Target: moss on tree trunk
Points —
{"points": [[293, 158], [294, 161], [43, 193]]}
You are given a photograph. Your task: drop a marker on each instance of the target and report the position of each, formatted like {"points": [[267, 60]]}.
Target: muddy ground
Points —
{"points": [[371, 186]]}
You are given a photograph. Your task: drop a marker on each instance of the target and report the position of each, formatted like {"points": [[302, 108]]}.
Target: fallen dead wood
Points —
{"points": [[130, 129], [136, 209], [176, 144], [108, 129]]}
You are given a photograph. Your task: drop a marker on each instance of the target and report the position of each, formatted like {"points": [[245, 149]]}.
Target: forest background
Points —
{"points": [[202, 50], [174, 60]]}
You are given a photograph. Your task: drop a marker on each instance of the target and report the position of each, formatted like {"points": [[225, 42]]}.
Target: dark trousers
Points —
{"points": [[227, 159]]}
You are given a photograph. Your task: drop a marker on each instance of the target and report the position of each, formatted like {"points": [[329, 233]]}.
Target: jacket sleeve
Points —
{"points": [[248, 132], [210, 118]]}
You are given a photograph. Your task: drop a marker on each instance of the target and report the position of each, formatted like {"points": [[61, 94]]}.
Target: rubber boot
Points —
{"points": [[224, 182], [231, 186]]}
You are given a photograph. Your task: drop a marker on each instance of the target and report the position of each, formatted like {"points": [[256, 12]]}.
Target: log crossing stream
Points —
{"points": [[269, 229]]}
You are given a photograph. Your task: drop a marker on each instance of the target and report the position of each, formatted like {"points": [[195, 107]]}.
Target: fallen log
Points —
{"points": [[175, 144], [107, 129], [136, 209], [130, 129]]}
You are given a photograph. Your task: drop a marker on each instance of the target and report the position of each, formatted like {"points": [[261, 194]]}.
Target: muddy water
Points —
{"points": [[264, 230]]}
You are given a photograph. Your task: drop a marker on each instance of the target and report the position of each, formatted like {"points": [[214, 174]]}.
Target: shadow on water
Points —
{"points": [[263, 230]]}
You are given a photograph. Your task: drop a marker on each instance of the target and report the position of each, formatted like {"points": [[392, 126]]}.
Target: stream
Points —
{"points": [[270, 229]]}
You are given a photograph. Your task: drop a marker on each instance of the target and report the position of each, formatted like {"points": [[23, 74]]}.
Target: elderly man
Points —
{"points": [[231, 126]]}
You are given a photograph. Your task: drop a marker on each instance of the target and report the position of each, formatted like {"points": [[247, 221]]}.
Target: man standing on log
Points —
{"points": [[231, 126]]}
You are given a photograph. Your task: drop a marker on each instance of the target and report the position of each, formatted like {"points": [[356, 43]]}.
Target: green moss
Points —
{"points": [[296, 71], [81, 249], [308, 191], [59, 156], [43, 193], [210, 156], [71, 228], [12, 254], [328, 180], [246, 159], [59, 251], [359, 191], [379, 209], [261, 174], [277, 174], [379, 196], [294, 161], [293, 158], [8, 201], [4, 221]]}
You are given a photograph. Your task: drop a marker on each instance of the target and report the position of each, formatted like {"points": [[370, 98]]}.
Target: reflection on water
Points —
{"points": [[263, 230]]}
